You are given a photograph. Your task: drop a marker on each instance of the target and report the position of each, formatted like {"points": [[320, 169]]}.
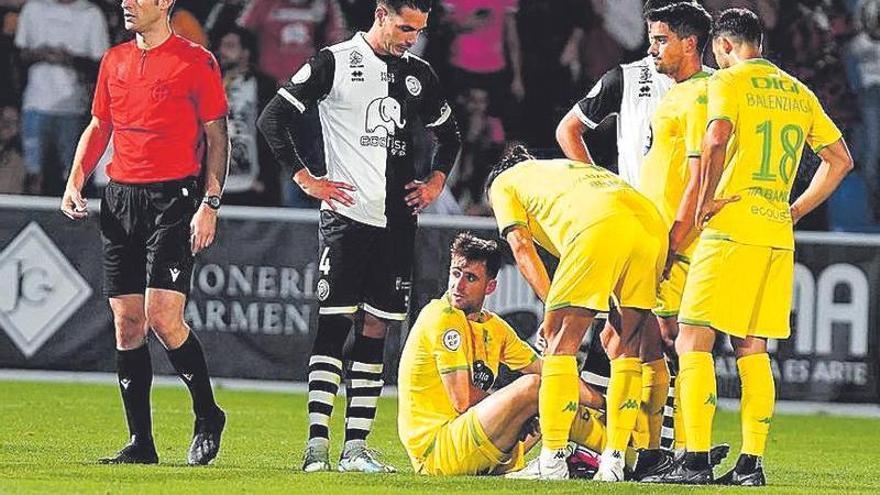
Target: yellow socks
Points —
{"points": [[758, 398], [655, 389], [587, 429], [678, 431], [698, 398], [557, 399], [623, 401]]}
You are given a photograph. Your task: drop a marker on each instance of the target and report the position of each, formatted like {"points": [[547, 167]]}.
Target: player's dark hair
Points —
{"points": [[473, 248], [740, 24], [684, 19], [659, 4], [396, 5], [515, 153]]}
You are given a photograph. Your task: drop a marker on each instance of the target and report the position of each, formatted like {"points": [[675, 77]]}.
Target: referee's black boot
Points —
{"points": [[136, 452], [748, 471], [692, 469], [206, 439]]}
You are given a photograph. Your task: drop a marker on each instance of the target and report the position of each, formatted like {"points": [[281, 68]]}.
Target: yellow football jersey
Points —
{"points": [[773, 115], [558, 199], [443, 340], [677, 129]]}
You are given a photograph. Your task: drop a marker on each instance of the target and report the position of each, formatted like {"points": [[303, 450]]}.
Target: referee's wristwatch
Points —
{"points": [[213, 202]]}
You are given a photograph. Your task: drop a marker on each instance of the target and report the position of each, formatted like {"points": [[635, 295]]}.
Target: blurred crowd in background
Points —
{"points": [[512, 69]]}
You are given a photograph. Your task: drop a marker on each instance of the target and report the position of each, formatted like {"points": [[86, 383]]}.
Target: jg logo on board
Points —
{"points": [[41, 289]]}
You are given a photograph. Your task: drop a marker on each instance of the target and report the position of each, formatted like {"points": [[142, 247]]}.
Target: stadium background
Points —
{"points": [[253, 304]]}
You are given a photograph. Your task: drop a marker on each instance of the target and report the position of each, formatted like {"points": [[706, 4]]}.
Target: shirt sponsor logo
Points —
{"points": [[386, 114], [357, 76]]}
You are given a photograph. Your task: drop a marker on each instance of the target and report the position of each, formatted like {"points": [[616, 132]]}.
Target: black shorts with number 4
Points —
{"points": [[364, 267], [145, 229]]}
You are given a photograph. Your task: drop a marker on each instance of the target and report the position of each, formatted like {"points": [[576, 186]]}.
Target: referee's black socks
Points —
{"points": [[135, 373], [189, 363]]}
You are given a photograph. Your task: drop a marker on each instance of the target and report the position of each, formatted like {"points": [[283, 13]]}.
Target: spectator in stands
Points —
{"points": [[222, 18], [186, 24], [808, 44], [288, 33], [864, 51], [486, 37], [551, 35], [62, 41], [359, 14], [291, 31], [253, 173], [482, 143], [10, 77], [12, 169]]}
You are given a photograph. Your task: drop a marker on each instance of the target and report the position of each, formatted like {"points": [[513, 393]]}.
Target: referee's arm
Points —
{"points": [[91, 146]]}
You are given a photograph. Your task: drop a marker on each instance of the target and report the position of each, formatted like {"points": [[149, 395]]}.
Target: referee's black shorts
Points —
{"points": [[364, 267], [145, 229]]}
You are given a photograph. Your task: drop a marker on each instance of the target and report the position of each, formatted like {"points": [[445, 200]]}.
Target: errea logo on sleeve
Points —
{"points": [[41, 289]]}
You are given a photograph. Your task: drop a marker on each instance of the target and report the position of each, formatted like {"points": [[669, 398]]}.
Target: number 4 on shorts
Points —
{"points": [[324, 263]]}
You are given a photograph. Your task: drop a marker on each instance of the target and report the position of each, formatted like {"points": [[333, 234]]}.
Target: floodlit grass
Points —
{"points": [[51, 435]]}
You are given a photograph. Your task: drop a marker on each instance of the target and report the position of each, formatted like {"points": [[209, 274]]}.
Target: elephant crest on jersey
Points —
{"points": [[384, 113]]}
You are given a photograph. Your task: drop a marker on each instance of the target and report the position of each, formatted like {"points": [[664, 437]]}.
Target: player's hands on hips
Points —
{"points": [[711, 208], [325, 189], [202, 228], [73, 205], [423, 193]]}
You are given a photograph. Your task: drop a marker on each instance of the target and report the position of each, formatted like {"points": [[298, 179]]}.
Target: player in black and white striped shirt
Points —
{"points": [[372, 97]]}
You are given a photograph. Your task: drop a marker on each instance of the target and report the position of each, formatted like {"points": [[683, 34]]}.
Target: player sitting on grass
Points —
{"points": [[449, 421]]}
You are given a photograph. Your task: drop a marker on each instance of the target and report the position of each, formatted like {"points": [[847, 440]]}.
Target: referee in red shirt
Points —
{"points": [[155, 96]]}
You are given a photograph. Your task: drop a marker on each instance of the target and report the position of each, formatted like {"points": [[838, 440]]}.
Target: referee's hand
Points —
{"points": [[202, 228], [73, 205]]}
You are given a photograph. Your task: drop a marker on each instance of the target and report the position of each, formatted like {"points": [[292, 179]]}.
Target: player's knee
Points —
{"points": [[130, 331], [528, 387], [530, 382], [161, 320], [375, 328]]}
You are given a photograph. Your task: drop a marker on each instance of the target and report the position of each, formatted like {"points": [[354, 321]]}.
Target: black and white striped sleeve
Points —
{"points": [[603, 100], [311, 83], [279, 123]]}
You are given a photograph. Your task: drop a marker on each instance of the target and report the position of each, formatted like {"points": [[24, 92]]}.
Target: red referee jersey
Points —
{"points": [[157, 101]]}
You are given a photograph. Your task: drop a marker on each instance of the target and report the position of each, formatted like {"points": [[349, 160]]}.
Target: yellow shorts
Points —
{"points": [[462, 447], [739, 289], [670, 290], [591, 269]]}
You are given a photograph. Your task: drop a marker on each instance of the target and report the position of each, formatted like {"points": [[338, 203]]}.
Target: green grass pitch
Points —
{"points": [[51, 435]]}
